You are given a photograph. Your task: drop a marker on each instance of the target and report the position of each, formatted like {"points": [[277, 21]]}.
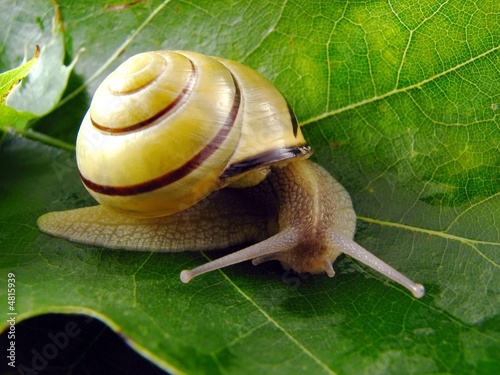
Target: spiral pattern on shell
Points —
{"points": [[167, 128]]}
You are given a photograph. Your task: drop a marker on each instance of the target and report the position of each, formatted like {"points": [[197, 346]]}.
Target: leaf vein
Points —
{"points": [[281, 328], [469, 242], [417, 85], [115, 54]]}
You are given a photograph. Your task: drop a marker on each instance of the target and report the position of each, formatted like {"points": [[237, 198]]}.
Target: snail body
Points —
{"points": [[189, 152]]}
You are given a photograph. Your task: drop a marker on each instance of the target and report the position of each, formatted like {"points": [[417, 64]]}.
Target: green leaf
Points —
{"points": [[8, 81], [46, 81], [400, 102], [40, 92]]}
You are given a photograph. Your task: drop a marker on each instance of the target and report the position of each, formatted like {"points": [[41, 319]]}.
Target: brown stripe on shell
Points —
{"points": [[185, 91], [293, 119], [180, 172], [266, 158]]}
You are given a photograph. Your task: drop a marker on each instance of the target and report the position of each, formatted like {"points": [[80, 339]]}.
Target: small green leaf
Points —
{"points": [[8, 82], [9, 79], [40, 92]]}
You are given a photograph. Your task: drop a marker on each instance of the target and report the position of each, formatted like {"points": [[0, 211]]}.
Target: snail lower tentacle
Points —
{"points": [[276, 244]]}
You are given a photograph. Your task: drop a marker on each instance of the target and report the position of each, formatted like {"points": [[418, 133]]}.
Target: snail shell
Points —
{"points": [[169, 128]]}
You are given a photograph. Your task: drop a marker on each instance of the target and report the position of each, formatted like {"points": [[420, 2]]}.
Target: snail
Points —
{"points": [[185, 151]]}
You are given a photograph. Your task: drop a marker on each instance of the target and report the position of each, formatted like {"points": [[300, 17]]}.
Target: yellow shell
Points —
{"points": [[167, 128]]}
